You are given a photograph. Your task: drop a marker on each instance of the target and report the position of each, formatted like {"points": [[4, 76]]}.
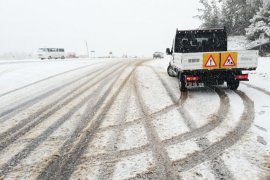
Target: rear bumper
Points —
{"points": [[215, 77]]}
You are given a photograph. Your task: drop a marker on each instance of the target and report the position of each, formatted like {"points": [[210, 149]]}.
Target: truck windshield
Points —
{"points": [[200, 41]]}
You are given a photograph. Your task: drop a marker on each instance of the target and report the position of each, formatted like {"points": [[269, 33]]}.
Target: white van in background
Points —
{"points": [[51, 53]]}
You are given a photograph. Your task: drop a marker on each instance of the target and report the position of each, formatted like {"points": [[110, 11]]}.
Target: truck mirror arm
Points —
{"points": [[168, 51]]}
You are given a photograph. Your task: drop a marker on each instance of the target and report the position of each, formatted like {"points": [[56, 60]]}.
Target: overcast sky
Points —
{"points": [[135, 27]]}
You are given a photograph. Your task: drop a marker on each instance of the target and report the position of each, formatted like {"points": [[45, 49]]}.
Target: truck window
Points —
{"points": [[200, 41]]}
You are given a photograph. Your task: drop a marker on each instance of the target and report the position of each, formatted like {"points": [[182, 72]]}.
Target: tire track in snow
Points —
{"points": [[45, 79], [220, 170], [7, 167], [215, 120], [25, 125], [217, 148], [125, 153], [63, 166], [115, 156], [210, 151], [217, 163], [165, 110], [107, 169], [180, 101], [11, 112], [215, 160], [130, 152], [164, 169], [174, 140], [112, 157]]}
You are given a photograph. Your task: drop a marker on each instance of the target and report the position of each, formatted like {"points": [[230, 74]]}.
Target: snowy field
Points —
{"points": [[126, 119]]}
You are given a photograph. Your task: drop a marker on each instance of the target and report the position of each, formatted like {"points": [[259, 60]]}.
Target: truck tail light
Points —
{"points": [[242, 77], [192, 78]]}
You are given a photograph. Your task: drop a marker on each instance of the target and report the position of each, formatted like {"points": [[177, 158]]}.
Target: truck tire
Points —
{"points": [[170, 71], [182, 82], [233, 85]]}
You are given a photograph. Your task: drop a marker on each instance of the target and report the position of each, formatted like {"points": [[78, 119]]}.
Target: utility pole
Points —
{"points": [[87, 48]]}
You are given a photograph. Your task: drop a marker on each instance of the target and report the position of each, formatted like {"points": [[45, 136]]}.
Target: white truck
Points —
{"points": [[200, 57]]}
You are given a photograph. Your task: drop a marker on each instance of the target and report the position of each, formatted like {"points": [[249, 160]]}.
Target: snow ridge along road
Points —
{"points": [[126, 119]]}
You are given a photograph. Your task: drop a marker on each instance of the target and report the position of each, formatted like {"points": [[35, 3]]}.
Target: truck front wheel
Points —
{"points": [[233, 85], [170, 71], [182, 82]]}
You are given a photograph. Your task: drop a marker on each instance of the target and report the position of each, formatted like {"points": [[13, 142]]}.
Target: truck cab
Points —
{"points": [[200, 57]]}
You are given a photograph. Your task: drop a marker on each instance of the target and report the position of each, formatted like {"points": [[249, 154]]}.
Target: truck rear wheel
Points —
{"points": [[170, 71], [182, 82], [233, 85]]}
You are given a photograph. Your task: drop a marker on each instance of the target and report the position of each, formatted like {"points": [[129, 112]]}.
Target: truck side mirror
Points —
{"points": [[168, 51]]}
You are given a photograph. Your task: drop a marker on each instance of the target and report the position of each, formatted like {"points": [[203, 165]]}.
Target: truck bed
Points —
{"points": [[244, 60]]}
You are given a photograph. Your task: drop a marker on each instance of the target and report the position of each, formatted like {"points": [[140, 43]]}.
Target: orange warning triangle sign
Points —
{"points": [[229, 61], [210, 62]]}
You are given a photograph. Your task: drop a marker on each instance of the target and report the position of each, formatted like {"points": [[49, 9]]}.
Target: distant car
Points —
{"points": [[157, 55], [50, 53]]}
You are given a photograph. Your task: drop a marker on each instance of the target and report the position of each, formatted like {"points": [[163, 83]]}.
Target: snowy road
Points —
{"points": [[126, 119]]}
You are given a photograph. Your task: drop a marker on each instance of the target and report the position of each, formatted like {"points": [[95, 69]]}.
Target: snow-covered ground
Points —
{"points": [[125, 119], [16, 74]]}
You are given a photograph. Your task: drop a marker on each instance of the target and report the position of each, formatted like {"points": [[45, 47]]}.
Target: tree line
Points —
{"points": [[240, 17]]}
